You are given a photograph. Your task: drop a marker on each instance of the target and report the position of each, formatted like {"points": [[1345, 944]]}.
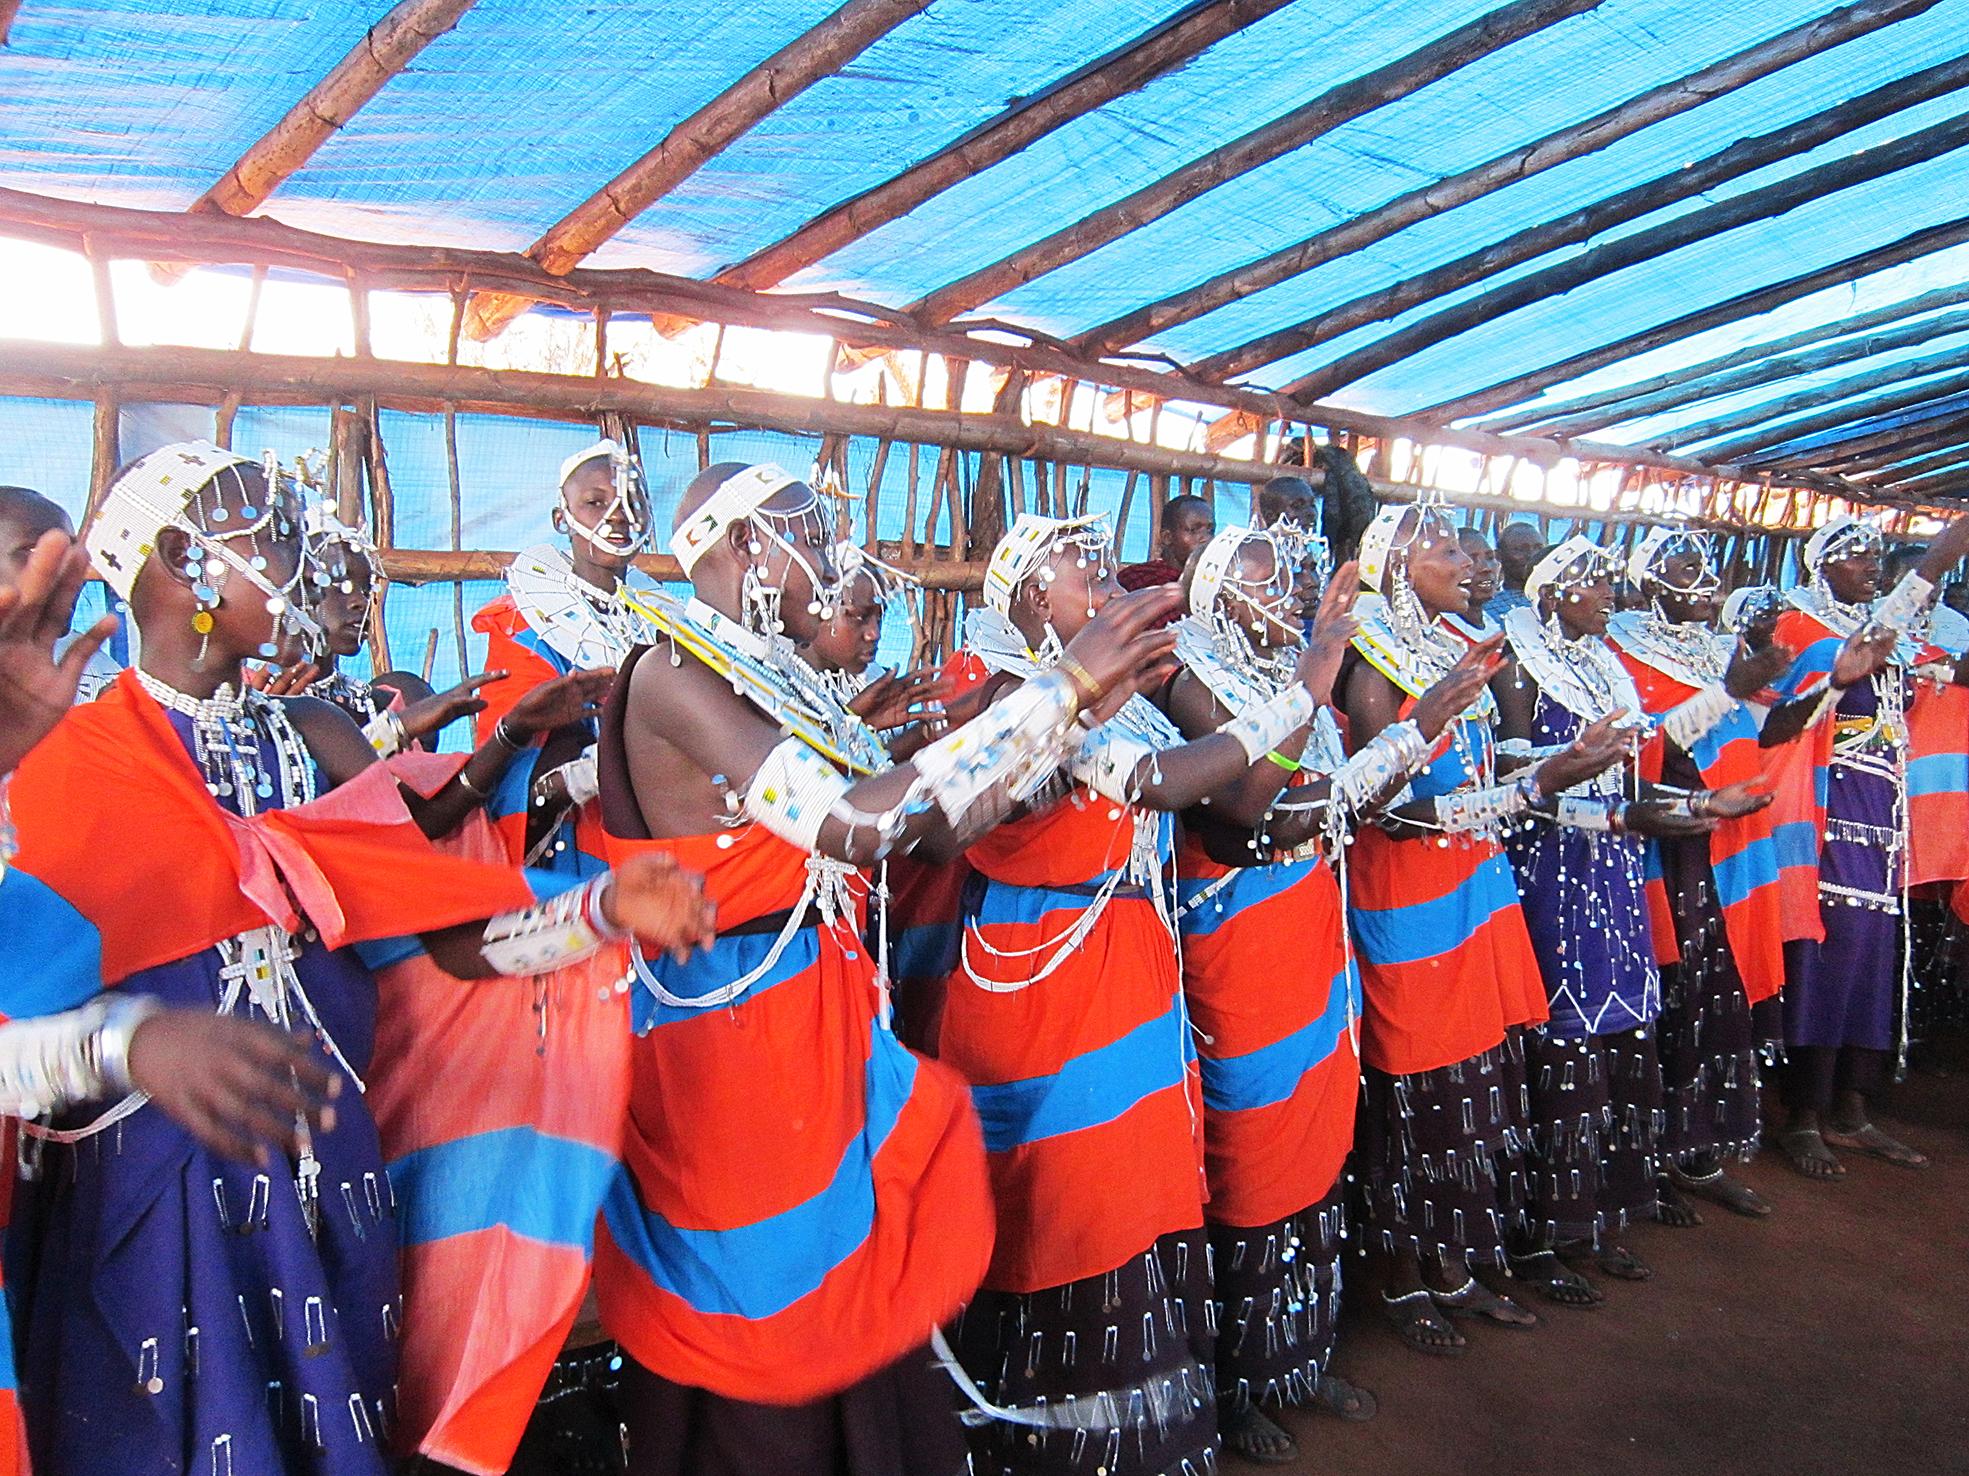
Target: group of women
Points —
{"points": [[972, 1069]]}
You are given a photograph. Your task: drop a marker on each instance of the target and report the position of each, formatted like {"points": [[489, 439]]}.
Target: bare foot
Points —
{"points": [[1418, 1324], [1866, 1138], [1719, 1188], [1804, 1149]]}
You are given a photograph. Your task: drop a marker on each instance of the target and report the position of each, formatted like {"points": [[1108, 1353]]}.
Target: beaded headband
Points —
{"points": [[1030, 543], [154, 493], [1578, 560], [738, 497]]}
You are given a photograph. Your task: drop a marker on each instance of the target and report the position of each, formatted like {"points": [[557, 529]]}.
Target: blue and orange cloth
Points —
{"points": [[802, 1200], [1276, 1001]]}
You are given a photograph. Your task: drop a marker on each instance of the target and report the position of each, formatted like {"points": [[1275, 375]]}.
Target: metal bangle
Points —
{"points": [[503, 736]]}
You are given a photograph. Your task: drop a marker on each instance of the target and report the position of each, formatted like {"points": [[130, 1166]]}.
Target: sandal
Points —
{"points": [[1622, 1264], [1335, 1396], [1672, 1207], [1255, 1436], [1719, 1188], [1805, 1150], [1552, 1279], [1474, 1299], [1868, 1139], [1418, 1324]]}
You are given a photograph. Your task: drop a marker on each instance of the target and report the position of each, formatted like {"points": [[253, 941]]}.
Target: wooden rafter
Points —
{"points": [[207, 376], [1683, 183], [1910, 247], [259, 241], [1700, 387], [1546, 416], [1903, 467], [9, 9], [1860, 434], [388, 47], [1269, 141], [1882, 448], [1555, 148], [688, 146], [1768, 412], [1122, 70], [1773, 200]]}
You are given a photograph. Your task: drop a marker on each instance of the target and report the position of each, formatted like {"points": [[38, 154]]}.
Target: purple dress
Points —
{"points": [[174, 1312], [1592, 1072], [1841, 996]]}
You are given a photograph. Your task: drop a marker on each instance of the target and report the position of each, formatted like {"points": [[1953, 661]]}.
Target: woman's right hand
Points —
{"points": [[236, 1085], [1126, 649], [1453, 692], [556, 703], [1600, 746]]}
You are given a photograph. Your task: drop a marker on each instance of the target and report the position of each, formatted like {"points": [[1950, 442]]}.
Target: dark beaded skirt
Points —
{"points": [[1278, 1304], [1110, 1373]]}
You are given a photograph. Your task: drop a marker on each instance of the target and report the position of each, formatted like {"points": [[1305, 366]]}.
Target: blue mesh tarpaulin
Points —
{"points": [[519, 114]]}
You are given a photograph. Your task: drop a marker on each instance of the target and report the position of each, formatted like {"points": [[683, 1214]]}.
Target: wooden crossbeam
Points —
{"points": [[1555, 148], [687, 147], [259, 241], [1950, 464], [1765, 412], [1865, 444], [1652, 244], [385, 50], [1900, 468], [1121, 71], [1686, 182], [1512, 391], [1929, 400], [1261, 145], [1697, 387]]}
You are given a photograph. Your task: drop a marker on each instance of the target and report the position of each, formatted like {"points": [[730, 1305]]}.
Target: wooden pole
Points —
{"points": [[1554, 410], [1899, 471], [161, 235], [1880, 446], [1024, 121], [385, 50], [1768, 411], [456, 486], [1638, 246], [1693, 390], [1925, 242], [1269, 141], [781, 77], [105, 454], [1587, 137], [1595, 220]]}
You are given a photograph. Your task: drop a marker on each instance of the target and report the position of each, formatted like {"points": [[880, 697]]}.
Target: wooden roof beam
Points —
{"points": [[385, 50], [1899, 468], [1700, 387], [693, 142], [1658, 241], [1746, 156], [1261, 145], [1877, 449], [1513, 391], [1121, 71], [1873, 428], [1542, 417], [1767, 411], [1587, 137]]}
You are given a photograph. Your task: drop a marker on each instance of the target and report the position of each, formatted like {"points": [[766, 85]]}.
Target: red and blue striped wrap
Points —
{"points": [[498, 1164], [1446, 965], [802, 1200], [1799, 774], [1743, 855], [1085, 1080], [1276, 1000], [514, 647], [1938, 782]]}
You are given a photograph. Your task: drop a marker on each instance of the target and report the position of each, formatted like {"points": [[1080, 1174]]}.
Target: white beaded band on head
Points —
{"points": [[737, 499], [603, 450], [1842, 538], [1661, 543], [1383, 538], [1739, 604], [155, 492], [1579, 560], [1213, 565], [1031, 541]]}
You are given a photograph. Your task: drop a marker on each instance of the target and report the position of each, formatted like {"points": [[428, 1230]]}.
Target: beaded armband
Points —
{"points": [[1903, 604], [1481, 809], [1396, 752], [1588, 814], [793, 793], [1015, 743], [558, 932], [386, 734], [80, 1055], [1261, 728], [1686, 722]]}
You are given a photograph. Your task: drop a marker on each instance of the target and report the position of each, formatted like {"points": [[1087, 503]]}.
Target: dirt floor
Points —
{"points": [[1833, 1336]]}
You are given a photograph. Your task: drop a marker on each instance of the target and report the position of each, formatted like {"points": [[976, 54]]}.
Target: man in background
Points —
{"points": [[1187, 524]]}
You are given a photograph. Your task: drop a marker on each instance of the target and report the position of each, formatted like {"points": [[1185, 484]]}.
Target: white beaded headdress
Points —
{"points": [[154, 493], [631, 497], [1578, 560], [1029, 544], [1841, 538]]}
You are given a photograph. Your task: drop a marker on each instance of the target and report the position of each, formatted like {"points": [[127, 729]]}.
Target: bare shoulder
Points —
{"points": [[333, 738]]}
